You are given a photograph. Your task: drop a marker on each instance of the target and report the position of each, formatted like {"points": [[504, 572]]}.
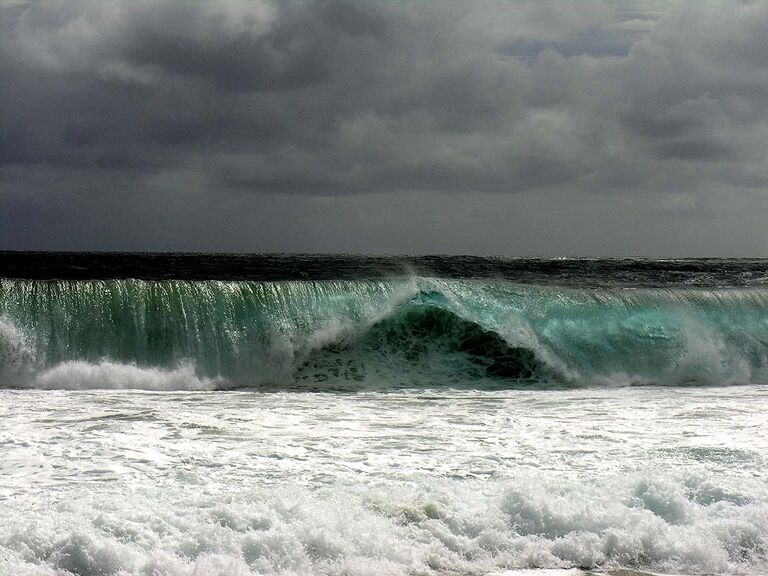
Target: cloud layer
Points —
{"points": [[149, 125]]}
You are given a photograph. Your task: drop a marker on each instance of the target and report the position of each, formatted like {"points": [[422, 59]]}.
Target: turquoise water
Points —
{"points": [[357, 334]]}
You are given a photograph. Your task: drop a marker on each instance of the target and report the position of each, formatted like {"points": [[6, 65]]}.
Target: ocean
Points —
{"points": [[224, 415]]}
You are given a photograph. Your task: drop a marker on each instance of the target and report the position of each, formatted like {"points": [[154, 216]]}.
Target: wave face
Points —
{"points": [[176, 334]]}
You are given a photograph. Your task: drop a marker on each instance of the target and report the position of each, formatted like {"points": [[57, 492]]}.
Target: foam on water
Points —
{"points": [[110, 375], [444, 527], [430, 483]]}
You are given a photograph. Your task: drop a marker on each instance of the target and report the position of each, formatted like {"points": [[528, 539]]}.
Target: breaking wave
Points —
{"points": [[335, 335]]}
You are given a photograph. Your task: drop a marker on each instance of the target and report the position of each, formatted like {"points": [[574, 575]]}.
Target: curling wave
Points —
{"points": [[177, 334]]}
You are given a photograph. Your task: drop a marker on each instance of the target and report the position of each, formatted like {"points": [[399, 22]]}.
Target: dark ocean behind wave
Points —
{"points": [[574, 272]]}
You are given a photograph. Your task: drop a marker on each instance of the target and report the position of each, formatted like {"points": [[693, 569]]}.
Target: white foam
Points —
{"points": [[393, 530], [419, 483], [78, 375]]}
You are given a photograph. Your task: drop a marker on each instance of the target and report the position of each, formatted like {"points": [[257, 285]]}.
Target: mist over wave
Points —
{"points": [[348, 335]]}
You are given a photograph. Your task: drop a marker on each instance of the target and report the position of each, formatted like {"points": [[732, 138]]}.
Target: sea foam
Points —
{"points": [[444, 527], [76, 375], [409, 482]]}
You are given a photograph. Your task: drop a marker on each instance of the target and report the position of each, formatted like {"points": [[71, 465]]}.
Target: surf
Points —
{"points": [[355, 334]]}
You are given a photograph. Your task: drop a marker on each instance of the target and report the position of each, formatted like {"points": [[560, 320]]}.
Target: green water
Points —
{"points": [[416, 331]]}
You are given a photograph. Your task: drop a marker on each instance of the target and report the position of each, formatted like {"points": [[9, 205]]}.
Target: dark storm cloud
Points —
{"points": [[598, 43], [163, 100], [693, 150]]}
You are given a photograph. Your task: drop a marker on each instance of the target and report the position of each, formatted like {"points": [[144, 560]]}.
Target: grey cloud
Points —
{"points": [[334, 99], [693, 150], [598, 43]]}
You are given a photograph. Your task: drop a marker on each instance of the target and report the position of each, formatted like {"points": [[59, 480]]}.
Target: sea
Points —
{"points": [[235, 415]]}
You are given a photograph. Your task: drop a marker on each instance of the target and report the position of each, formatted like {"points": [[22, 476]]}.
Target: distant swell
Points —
{"points": [[421, 332]]}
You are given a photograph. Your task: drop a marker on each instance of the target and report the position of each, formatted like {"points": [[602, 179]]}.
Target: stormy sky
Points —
{"points": [[546, 128]]}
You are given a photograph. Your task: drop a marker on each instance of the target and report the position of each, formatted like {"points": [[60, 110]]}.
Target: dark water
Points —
{"points": [[631, 272]]}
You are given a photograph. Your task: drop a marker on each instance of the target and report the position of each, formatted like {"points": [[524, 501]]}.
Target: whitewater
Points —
{"points": [[401, 417]]}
